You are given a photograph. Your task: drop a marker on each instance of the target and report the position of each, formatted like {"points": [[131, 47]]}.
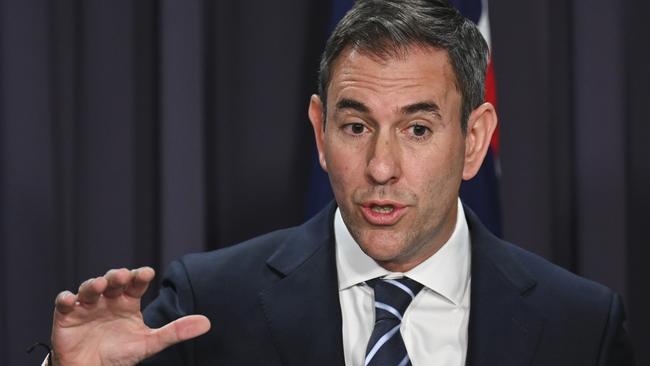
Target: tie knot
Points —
{"points": [[393, 296]]}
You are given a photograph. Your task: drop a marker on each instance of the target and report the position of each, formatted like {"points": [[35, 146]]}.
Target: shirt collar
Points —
{"points": [[447, 272]]}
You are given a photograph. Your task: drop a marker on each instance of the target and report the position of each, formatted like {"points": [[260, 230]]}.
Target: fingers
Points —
{"points": [[113, 284], [91, 290], [118, 280], [141, 278], [133, 283], [179, 330], [65, 301]]}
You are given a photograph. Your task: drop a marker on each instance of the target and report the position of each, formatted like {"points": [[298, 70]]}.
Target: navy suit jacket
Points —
{"points": [[273, 300]]}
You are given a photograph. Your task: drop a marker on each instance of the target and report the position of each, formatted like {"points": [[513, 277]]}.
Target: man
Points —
{"points": [[396, 271]]}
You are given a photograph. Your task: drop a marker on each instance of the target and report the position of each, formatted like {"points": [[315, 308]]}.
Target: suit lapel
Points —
{"points": [[302, 308], [503, 329], [304, 316]]}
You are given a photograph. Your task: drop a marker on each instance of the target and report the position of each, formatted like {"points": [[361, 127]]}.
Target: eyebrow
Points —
{"points": [[352, 104], [429, 107]]}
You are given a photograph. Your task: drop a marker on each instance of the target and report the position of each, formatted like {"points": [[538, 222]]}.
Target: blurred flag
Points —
{"points": [[480, 193]]}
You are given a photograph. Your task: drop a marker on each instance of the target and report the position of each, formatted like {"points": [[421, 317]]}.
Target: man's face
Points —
{"points": [[394, 151]]}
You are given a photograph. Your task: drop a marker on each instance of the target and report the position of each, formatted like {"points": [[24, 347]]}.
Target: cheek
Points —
{"points": [[344, 160], [434, 174], [341, 170]]}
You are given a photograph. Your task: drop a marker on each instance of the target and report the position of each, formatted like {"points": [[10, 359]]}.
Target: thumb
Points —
{"points": [[177, 331]]}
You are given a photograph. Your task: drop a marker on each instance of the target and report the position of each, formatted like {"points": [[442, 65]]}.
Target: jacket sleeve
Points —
{"points": [[616, 347], [174, 300]]}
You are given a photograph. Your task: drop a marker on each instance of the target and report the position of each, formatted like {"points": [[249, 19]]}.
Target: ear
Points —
{"points": [[317, 118], [480, 127]]}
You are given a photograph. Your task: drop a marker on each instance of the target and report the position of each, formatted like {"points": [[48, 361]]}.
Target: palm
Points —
{"points": [[103, 324]]}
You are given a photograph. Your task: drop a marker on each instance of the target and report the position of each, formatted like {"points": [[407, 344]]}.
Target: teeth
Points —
{"points": [[383, 209]]}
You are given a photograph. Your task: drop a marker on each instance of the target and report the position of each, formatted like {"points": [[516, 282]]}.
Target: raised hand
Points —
{"points": [[102, 324]]}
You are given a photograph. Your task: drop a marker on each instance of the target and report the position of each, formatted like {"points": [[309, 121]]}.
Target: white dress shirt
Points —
{"points": [[434, 327]]}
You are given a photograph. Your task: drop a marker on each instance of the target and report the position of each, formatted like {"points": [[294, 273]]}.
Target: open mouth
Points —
{"points": [[382, 209], [383, 213]]}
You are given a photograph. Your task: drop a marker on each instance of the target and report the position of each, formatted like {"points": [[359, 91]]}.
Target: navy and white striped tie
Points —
{"points": [[392, 297]]}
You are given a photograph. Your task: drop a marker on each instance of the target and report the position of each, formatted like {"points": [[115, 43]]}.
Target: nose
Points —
{"points": [[383, 160]]}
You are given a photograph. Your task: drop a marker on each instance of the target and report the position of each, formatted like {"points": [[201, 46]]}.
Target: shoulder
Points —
{"points": [[554, 291], [578, 313], [244, 262], [533, 275], [576, 319], [267, 254], [557, 283], [575, 310], [251, 251]]}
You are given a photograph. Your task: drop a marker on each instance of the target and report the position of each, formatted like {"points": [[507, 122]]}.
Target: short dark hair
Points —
{"points": [[387, 28]]}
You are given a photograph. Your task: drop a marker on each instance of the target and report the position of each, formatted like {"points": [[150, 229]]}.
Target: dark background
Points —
{"points": [[133, 131]]}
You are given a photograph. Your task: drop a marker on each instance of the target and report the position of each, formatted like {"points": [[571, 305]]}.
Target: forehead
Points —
{"points": [[415, 72]]}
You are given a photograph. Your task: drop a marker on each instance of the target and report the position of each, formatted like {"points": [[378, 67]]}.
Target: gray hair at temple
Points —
{"points": [[387, 28]]}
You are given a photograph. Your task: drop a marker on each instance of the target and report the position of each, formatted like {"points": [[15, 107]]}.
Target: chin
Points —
{"points": [[381, 246]]}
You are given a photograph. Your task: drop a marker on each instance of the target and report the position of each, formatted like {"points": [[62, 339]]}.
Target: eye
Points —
{"points": [[355, 128], [419, 131]]}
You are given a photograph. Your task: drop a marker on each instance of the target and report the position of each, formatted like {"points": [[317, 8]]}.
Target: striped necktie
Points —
{"points": [[392, 297]]}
